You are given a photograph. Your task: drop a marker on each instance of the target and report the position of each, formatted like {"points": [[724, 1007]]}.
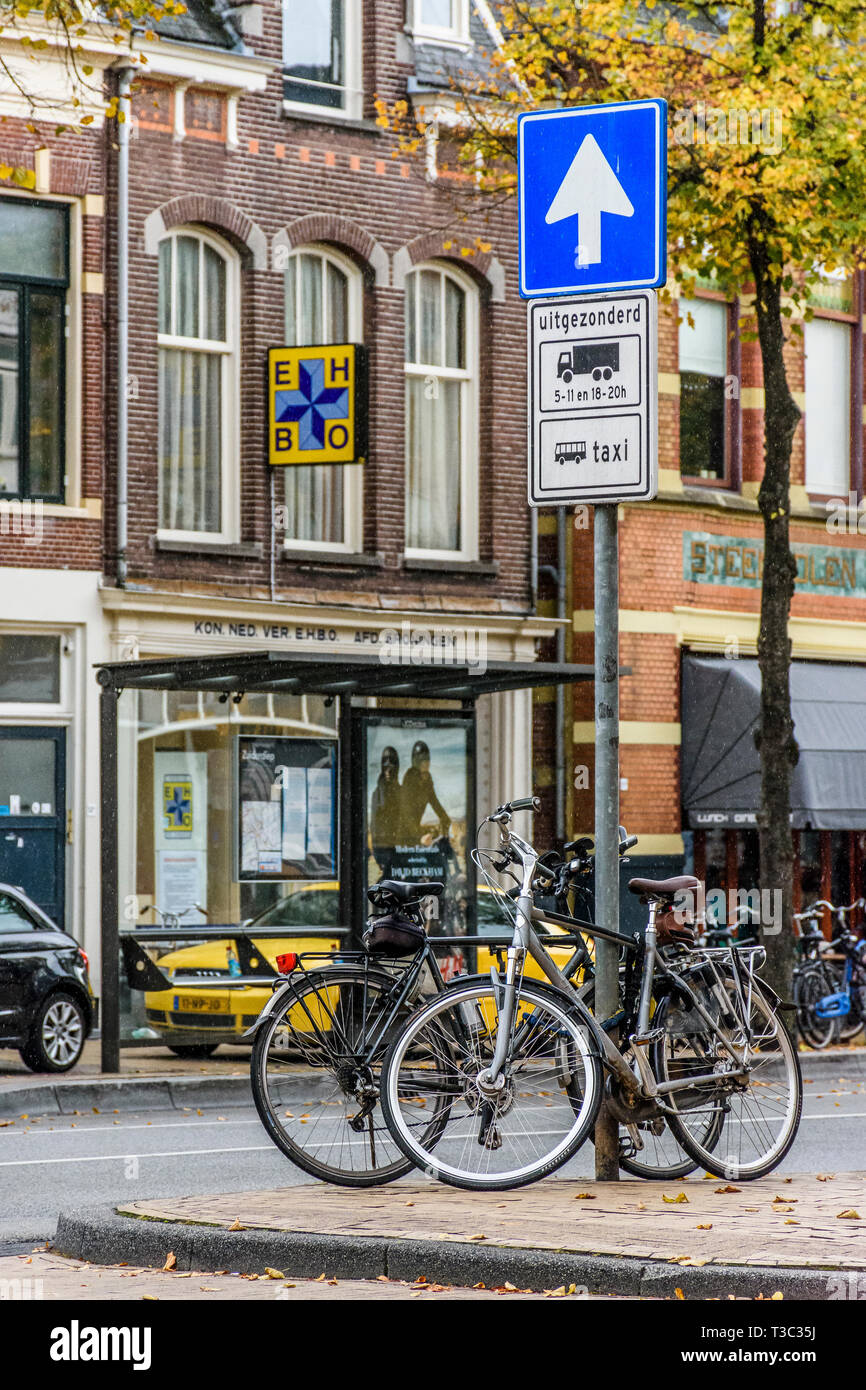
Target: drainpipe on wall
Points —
{"points": [[123, 126]]}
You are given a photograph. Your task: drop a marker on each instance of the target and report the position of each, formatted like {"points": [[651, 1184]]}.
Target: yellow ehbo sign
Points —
{"points": [[317, 404]]}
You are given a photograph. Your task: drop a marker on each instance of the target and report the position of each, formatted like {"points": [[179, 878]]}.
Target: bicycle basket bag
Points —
{"points": [[393, 934]]}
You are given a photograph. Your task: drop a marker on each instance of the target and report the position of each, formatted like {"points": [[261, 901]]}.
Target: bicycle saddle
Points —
{"points": [[664, 887], [406, 892]]}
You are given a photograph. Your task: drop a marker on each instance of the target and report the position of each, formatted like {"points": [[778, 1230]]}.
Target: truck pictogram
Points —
{"points": [[588, 359]]}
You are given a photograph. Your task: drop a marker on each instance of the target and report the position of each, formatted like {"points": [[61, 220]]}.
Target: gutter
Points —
{"points": [[123, 128]]}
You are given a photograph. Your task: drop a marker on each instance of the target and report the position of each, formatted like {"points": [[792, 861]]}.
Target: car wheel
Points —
{"points": [[58, 1034], [195, 1053]]}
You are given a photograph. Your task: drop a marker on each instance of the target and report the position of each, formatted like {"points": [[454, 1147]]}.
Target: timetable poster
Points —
{"points": [[287, 808]]}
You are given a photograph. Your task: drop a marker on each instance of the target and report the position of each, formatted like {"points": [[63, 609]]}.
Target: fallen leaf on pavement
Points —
{"points": [[585, 1196], [729, 1188], [707, 1227], [145, 1297], [680, 1295], [170, 1260], [480, 1236], [825, 1177], [786, 1200], [673, 1201], [236, 1225], [479, 1286], [320, 1279], [791, 1222], [274, 1273], [849, 1214]]}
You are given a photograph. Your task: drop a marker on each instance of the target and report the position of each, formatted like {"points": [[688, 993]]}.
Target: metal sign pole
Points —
{"points": [[606, 802]]}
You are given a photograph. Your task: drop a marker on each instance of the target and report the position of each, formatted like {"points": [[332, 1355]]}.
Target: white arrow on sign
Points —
{"points": [[589, 188]]}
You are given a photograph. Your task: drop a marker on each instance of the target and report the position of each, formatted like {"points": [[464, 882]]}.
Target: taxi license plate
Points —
{"points": [[196, 1003]]}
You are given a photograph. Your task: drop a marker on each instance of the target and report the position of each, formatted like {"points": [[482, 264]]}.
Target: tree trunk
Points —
{"points": [[775, 738]]}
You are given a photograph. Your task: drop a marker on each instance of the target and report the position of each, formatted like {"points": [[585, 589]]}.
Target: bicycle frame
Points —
{"points": [[526, 940]]}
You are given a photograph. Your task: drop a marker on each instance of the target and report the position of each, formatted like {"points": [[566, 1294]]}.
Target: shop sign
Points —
{"points": [[317, 405], [738, 561]]}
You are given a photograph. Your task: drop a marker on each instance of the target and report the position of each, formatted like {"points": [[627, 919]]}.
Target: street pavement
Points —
{"points": [[57, 1162]]}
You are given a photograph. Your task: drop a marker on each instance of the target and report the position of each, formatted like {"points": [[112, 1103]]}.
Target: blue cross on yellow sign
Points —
{"points": [[317, 406], [177, 806]]}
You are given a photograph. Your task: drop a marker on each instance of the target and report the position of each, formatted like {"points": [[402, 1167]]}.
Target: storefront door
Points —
{"points": [[33, 815]]}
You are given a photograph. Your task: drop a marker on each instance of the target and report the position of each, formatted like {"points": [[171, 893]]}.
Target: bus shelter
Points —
{"points": [[256, 785]]}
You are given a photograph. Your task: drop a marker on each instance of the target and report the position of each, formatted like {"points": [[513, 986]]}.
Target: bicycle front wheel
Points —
{"points": [[761, 1110], [315, 1082], [551, 1087]]}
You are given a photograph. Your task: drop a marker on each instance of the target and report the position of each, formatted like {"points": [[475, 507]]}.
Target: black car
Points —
{"points": [[47, 1008]]}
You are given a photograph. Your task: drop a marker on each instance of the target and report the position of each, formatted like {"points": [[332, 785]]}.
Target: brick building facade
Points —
{"points": [[266, 207]]}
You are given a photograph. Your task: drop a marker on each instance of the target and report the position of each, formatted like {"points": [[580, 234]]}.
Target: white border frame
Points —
{"points": [[456, 35], [230, 385], [659, 229], [469, 441]]}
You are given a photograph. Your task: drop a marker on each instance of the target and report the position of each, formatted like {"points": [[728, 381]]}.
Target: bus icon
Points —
{"points": [[570, 453]]}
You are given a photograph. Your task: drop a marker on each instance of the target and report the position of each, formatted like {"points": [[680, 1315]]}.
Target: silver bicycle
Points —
{"points": [[497, 1081]]}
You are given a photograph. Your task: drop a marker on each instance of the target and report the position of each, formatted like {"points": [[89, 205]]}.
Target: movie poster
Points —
{"points": [[419, 810], [287, 808]]}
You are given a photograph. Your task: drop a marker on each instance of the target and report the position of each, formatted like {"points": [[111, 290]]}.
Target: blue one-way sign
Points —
{"points": [[593, 197]]}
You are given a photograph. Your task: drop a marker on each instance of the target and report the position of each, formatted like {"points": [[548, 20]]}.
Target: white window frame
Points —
{"points": [[456, 33], [72, 462], [469, 441], [820, 486], [229, 351], [352, 108], [24, 712], [353, 473]]}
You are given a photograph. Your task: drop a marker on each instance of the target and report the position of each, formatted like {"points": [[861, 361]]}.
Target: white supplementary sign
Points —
{"points": [[593, 399]]}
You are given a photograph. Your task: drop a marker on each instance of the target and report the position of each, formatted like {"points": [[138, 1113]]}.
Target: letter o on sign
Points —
{"points": [[338, 436]]}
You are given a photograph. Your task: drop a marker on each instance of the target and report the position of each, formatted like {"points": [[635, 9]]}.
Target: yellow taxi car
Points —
{"points": [[210, 995]]}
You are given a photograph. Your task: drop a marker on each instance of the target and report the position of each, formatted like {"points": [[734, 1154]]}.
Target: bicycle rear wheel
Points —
{"points": [[761, 1112], [810, 986], [550, 1094], [315, 1087]]}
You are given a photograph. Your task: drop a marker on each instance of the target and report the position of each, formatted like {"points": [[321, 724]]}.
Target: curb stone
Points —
{"points": [[102, 1236], [145, 1093], [179, 1092]]}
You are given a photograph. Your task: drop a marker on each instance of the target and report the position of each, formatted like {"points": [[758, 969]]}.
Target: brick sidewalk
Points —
{"points": [[746, 1226]]}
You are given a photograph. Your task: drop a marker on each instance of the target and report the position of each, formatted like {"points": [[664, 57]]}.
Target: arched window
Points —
{"points": [[441, 413], [324, 298], [198, 386]]}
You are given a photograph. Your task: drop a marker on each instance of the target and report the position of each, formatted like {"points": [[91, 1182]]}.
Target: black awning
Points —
{"points": [[332, 673], [721, 783]]}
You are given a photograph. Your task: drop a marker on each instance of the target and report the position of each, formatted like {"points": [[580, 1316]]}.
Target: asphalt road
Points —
{"points": [[59, 1162]]}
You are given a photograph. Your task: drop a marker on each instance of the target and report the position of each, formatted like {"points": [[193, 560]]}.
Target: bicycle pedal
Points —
{"points": [[646, 1039]]}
